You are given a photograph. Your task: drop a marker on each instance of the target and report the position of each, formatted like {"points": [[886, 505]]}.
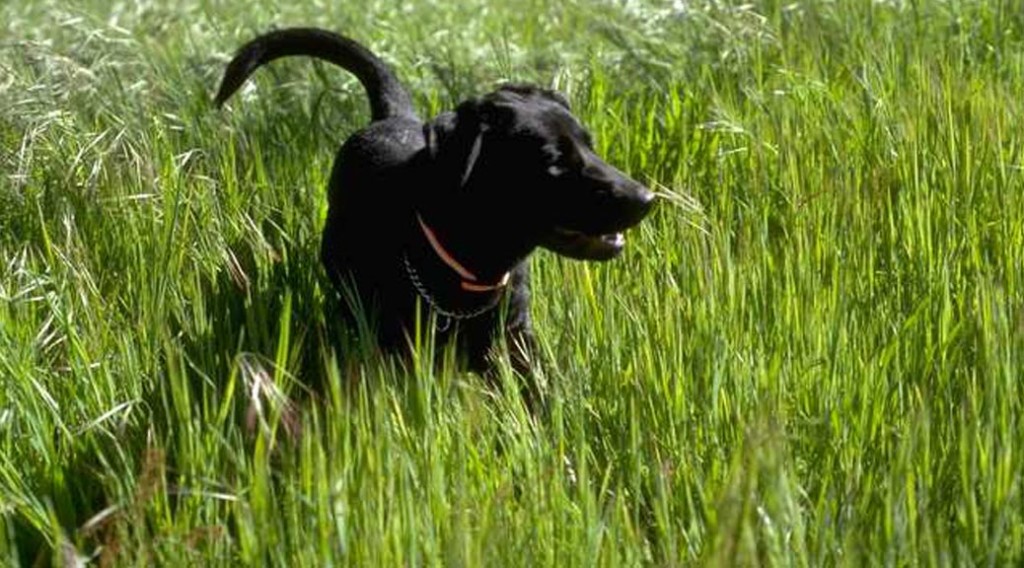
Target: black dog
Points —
{"points": [[441, 215]]}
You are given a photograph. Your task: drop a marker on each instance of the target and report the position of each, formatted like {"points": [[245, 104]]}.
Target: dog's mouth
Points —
{"points": [[602, 240], [581, 246]]}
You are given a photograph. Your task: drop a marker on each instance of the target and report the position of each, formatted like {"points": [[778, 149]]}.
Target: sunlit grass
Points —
{"points": [[810, 355]]}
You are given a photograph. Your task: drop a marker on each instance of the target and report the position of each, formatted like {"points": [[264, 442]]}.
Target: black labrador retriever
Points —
{"points": [[433, 221]]}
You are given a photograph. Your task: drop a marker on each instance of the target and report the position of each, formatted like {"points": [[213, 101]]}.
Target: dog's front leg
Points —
{"points": [[522, 344], [478, 338]]}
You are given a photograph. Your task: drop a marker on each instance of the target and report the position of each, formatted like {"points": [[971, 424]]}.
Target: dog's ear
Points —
{"points": [[473, 155], [455, 140]]}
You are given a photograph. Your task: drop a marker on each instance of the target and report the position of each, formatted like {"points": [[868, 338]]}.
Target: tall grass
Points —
{"points": [[810, 355]]}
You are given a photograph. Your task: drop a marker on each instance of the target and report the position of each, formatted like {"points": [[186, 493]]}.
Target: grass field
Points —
{"points": [[810, 355]]}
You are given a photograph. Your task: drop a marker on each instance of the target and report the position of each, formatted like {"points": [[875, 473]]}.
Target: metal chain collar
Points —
{"points": [[421, 289]]}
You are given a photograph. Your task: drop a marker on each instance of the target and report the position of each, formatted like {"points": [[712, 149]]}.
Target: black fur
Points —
{"points": [[494, 179]]}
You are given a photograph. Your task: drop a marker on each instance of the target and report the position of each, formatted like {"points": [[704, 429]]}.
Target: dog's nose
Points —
{"points": [[641, 202], [646, 200]]}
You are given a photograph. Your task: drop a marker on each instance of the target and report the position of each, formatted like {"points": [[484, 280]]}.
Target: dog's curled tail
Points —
{"points": [[387, 96]]}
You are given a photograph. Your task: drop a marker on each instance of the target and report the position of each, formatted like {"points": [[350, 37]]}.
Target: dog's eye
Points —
{"points": [[563, 158], [551, 154], [559, 163]]}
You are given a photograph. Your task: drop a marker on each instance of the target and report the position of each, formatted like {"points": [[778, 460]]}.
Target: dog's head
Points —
{"points": [[520, 159]]}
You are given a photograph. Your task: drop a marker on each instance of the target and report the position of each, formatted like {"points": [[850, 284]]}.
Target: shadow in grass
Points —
{"points": [[264, 324], [279, 325]]}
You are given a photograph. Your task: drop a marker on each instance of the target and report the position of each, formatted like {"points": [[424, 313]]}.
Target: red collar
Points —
{"points": [[470, 282]]}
